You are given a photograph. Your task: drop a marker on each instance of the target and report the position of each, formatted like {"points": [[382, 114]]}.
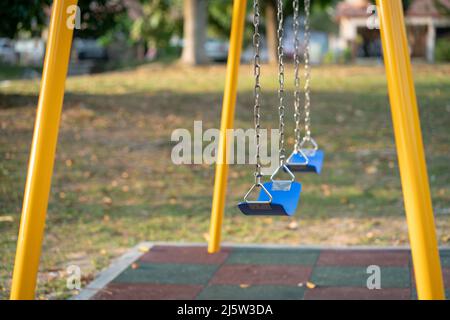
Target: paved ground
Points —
{"points": [[188, 272]]}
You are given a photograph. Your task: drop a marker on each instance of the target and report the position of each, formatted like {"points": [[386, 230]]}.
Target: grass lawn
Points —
{"points": [[114, 184]]}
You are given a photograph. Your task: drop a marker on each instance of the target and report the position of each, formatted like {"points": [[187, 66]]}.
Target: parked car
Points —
{"points": [[89, 49], [249, 53], [7, 52], [216, 49], [30, 51]]}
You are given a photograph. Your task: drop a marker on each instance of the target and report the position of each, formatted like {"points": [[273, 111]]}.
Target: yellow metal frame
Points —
{"points": [[228, 106], [416, 191], [410, 152], [42, 156]]}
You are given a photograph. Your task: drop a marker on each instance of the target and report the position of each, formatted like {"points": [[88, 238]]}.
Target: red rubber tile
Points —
{"points": [[191, 255], [364, 258], [140, 291], [349, 293], [262, 274]]}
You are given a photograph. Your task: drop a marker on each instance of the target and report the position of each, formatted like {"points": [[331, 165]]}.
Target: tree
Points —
{"points": [[154, 23], [97, 16], [18, 15], [271, 30], [194, 31], [219, 18]]}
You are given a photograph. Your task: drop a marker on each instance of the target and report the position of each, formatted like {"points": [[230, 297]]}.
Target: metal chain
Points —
{"points": [[282, 151], [257, 89], [297, 111], [307, 48]]}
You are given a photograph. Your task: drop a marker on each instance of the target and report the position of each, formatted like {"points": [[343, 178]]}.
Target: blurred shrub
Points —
{"points": [[339, 57], [442, 50]]}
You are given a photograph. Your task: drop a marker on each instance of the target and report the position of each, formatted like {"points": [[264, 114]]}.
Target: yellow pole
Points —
{"points": [[42, 155], [408, 136], [228, 106]]}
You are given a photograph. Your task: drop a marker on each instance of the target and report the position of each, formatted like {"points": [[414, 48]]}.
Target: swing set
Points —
{"points": [[280, 197], [276, 197]]}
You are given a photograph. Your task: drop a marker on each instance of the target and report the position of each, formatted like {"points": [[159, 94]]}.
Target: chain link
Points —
{"points": [[257, 89], [307, 88], [282, 151], [297, 93]]}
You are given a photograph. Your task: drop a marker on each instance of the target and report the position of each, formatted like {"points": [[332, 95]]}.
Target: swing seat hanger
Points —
{"points": [[306, 159], [276, 198]]}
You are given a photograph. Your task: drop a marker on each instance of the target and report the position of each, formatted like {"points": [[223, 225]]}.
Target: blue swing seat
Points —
{"points": [[285, 197], [296, 162]]}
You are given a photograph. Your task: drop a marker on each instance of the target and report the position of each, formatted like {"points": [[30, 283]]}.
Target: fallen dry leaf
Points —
{"points": [[244, 285], [326, 190], [6, 219], [293, 225], [134, 266], [144, 249], [69, 163], [371, 169], [310, 285]]}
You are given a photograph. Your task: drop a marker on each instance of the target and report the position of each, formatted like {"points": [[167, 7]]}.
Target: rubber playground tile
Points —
{"points": [[273, 256], [226, 292], [262, 274], [140, 291], [391, 277], [352, 293], [365, 258], [445, 258], [168, 274], [190, 255]]}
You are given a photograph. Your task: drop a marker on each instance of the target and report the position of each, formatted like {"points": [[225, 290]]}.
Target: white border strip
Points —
{"points": [[117, 266], [120, 264]]}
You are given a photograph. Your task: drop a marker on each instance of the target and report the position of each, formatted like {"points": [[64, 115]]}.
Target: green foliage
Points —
{"points": [[17, 15], [442, 50], [321, 20], [342, 57], [157, 24], [219, 18], [442, 8], [100, 18]]}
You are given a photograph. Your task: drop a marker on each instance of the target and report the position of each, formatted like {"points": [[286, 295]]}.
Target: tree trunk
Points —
{"points": [[195, 12], [271, 31]]}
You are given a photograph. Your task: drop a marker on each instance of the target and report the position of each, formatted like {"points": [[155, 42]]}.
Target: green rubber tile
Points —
{"points": [[391, 277], [168, 274], [227, 292], [445, 258], [273, 256]]}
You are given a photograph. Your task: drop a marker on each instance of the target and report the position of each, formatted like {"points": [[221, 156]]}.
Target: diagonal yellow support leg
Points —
{"points": [[43, 148], [228, 106], [408, 137]]}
